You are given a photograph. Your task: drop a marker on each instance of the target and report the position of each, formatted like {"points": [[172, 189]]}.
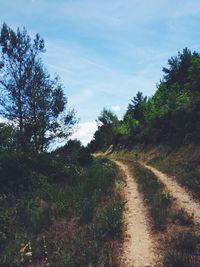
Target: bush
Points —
{"points": [[109, 220], [75, 153], [15, 170]]}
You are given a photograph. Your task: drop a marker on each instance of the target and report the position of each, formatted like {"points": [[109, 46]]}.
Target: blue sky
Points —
{"points": [[106, 50]]}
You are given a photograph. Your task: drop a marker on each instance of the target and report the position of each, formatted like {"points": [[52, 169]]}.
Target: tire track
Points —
{"points": [[183, 198], [138, 247]]}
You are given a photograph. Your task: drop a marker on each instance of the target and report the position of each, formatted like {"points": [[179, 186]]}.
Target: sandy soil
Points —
{"points": [[183, 198], [139, 245]]}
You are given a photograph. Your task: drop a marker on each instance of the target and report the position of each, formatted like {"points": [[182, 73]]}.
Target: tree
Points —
{"points": [[107, 117], [194, 75], [177, 72], [31, 100], [106, 132], [48, 118], [7, 137], [136, 107]]}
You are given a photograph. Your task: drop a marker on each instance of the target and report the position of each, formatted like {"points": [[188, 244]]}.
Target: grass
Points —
{"points": [[79, 221], [184, 251], [183, 164], [182, 244], [155, 195]]}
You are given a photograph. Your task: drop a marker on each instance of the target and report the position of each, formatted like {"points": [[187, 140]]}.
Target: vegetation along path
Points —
{"points": [[138, 246], [183, 198]]}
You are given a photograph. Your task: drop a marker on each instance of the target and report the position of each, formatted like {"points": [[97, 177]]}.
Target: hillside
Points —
{"points": [[171, 214], [158, 141]]}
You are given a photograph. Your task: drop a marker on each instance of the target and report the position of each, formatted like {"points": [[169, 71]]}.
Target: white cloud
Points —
{"points": [[3, 120], [85, 132], [116, 108]]}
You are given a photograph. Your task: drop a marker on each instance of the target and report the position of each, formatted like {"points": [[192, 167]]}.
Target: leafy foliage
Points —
{"points": [[31, 100], [171, 116], [105, 135]]}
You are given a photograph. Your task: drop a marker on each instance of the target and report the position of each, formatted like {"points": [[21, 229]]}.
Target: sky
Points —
{"points": [[105, 51]]}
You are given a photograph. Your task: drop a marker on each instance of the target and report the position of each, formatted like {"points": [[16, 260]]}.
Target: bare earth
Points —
{"points": [[183, 198], [138, 246]]}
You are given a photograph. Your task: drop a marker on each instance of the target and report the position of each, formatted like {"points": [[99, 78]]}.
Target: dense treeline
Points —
{"points": [[171, 115]]}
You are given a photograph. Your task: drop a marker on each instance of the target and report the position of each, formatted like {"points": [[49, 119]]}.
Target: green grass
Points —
{"points": [[183, 251], [187, 172], [155, 195], [183, 248], [89, 209]]}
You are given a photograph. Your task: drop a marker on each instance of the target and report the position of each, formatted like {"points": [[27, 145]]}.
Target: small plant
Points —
{"points": [[109, 220]]}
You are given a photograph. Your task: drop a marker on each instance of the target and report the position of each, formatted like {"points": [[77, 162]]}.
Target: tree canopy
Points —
{"points": [[31, 100], [171, 115]]}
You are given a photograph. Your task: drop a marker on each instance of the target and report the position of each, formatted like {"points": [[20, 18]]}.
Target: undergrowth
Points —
{"points": [[89, 209]]}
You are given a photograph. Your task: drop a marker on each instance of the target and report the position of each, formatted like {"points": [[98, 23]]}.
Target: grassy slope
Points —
{"points": [[66, 225], [182, 239], [183, 163]]}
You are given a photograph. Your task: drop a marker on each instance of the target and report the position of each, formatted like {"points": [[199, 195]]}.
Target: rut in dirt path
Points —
{"points": [[183, 198], [138, 246]]}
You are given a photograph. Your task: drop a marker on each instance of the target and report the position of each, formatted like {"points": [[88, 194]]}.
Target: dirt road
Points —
{"points": [[138, 247]]}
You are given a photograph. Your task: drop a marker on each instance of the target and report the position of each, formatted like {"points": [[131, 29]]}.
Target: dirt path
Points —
{"points": [[138, 246], [183, 198]]}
